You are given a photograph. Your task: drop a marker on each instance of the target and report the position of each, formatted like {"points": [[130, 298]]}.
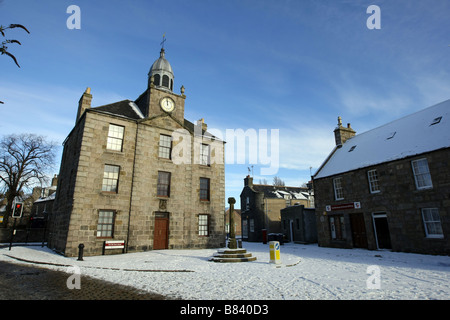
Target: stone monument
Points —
{"points": [[233, 253], [232, 244]]}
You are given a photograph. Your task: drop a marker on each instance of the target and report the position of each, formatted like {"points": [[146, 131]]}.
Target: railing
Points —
{"points": [[23, 235]]}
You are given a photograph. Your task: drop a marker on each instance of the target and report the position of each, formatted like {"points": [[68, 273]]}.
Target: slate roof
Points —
{"points": [[130, 110], [271, 191], [124, 108], [423, 131]]}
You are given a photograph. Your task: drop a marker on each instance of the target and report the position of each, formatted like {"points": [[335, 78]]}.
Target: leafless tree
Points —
{"points": [[278, 182], [25, 160]]}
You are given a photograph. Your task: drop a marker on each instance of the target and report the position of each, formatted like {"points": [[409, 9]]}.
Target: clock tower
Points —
{"points": [[159, 100]]}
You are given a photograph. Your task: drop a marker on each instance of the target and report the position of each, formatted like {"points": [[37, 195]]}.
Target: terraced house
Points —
{"points": [[137, 172], [389, 187]]}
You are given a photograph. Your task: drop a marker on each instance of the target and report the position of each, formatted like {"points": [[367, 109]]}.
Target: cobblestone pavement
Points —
{"points": [[22, 282]]}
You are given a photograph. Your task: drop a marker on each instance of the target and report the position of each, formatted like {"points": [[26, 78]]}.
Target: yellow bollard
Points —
{"points": [[274, 247]]}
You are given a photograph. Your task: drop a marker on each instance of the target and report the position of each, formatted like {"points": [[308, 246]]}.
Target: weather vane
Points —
{"points": [[164, 40]]}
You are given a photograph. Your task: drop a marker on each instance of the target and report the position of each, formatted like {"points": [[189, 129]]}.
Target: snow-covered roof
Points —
{"points": [[49, 198], [424, 131], [281, 192]]}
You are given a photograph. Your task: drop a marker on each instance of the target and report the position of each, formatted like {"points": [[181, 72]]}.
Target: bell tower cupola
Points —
{"points": [[161, 74]]}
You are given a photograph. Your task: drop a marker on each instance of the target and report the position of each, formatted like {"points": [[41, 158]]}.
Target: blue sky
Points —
{"points": [[294, 66]]}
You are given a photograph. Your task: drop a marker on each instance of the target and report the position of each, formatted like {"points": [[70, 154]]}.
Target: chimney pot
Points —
{"points": [[342, 134], [55, 180], [248, 181], [202, 123]]}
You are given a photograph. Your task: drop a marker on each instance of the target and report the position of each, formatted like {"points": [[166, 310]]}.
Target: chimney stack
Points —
{"points": [[84, 103], [342, 134], [202, 123], [248, 181], [55, 180]]}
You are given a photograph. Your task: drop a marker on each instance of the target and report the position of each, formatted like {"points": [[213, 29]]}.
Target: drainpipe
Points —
{"points": [[132, 185]]}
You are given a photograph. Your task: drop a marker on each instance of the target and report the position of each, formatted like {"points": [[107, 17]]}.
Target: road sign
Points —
{"points": [[343, 206], [274, 247]]}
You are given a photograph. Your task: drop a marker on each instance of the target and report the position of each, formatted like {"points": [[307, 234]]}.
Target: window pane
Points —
{"points": [[105, 224], [422, 174], [373, 181], [203, 225], [110, 178], [338, 192], [163, 188], [115, 137], [204, 154], [432, 222], [204, 189], [165, 145]]}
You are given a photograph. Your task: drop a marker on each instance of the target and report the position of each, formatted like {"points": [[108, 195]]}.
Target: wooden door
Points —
{"points": [[359, 234], [161, 234]]}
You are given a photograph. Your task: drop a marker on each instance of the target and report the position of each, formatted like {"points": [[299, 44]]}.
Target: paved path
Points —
{"points": [[21, 282]]}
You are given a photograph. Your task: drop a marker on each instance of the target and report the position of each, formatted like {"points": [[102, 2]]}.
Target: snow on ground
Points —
{"points": [[306, 272]]}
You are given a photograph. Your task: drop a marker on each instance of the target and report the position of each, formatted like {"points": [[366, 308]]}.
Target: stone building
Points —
{"points": [[139, 172], [43, 205], [261, 205], [389, 187], [298, 224]]}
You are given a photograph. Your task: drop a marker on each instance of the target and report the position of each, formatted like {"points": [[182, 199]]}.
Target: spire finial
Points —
{"points": [[162, 42]]}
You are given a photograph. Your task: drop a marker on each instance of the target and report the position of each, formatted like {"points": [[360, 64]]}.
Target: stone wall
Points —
{"points": [[304, 228], [59, 220]]}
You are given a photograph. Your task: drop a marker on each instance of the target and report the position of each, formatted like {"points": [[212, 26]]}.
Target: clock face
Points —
{"points": [[167, 104]]}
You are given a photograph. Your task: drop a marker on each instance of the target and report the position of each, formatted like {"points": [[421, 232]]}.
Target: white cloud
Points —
{"points": [[305, 146], [46, 109]]}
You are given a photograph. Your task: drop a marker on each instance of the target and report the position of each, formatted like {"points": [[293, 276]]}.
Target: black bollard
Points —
{"points": [[80, 252]]}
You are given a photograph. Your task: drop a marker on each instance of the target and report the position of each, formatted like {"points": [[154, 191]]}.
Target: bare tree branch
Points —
{"points": [[3, 51], [11, 26], [278, 182], [24, 161], [4, 48]]}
